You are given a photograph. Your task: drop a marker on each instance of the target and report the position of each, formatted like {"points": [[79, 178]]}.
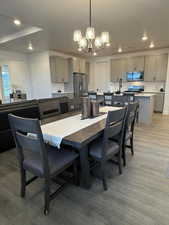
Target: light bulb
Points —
{"points": [[105, 37], [94, 53], [83, 43], [108, 45], [90, 33], [77, 36], [17, 22], [98, 42], [79, 49]]}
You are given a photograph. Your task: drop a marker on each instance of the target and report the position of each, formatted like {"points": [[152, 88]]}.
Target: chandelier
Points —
{"points": [[91, 43]]}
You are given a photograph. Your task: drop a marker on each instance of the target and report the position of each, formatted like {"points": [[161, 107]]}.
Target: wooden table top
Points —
{"points": [[82, 137]]}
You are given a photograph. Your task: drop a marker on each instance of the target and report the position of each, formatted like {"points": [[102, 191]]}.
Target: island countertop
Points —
{"points": [[146, 95]]}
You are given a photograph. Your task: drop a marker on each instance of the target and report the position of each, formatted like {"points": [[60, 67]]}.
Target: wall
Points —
{"points": [[18, 69], [166, 99], [40, 75], [57, 86]]}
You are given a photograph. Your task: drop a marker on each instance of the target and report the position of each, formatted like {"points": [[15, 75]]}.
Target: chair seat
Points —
{"points": [[96, 149], [128, 135], [58, 160]]}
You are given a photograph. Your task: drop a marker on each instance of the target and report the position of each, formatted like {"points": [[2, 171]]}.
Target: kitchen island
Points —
{"points": [[146, 107]]}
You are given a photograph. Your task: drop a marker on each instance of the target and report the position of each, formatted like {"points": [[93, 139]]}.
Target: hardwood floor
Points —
{"points": [[140, 196]]}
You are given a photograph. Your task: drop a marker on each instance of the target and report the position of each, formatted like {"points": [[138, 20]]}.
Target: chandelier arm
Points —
{"points": [[90, 13]]}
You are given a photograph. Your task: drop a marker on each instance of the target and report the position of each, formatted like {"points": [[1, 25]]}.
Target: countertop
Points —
{"points": [[54, 93], [146, 95]]}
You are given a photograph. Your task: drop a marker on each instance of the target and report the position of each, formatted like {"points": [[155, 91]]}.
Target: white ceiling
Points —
{"points": [[126, 20]]}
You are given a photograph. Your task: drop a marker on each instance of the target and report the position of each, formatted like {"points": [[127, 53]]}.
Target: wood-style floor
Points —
{"points": [[140, 196]]}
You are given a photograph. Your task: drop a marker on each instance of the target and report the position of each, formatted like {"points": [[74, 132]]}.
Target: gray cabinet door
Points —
{"points": [[156, 67], [161, 63], [52, 61], [118, 69], [150, 65], [159, 102], [135, 64], [59, 69]]}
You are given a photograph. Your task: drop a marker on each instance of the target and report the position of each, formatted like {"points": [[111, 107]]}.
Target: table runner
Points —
{"points": [[54, 132]]}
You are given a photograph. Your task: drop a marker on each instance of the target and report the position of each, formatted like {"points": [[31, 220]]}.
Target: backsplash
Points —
{"points": [[57, 86], [148, 86]]}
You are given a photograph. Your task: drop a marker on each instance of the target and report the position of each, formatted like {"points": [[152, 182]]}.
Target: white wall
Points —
{"points": [[166, 99], [18, 69], [57, 86], [40, 75]]}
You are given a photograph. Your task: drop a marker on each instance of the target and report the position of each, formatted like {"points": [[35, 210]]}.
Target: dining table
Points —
{"points": [[77, 133]]}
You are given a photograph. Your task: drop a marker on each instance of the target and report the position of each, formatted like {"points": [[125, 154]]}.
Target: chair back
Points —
{"points": [[115, 124], [119, 100], [108, 98], [130, 96], [29, 140], [131, 116], [122, 100], [92, 95]]}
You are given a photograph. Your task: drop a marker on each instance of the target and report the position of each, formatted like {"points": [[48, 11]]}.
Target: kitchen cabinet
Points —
{"points": [[135, 64], [159, 102], [79, 65], [156, 67], [59, 69], [118, 69]]}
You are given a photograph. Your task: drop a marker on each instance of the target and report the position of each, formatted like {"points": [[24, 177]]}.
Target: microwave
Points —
{"points": [[135, 76]]}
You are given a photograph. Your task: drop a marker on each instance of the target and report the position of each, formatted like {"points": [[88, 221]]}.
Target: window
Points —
{"points": [[6, 83]]}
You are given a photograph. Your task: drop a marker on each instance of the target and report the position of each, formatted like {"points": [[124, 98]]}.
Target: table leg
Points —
{"points": [[85, 170]]}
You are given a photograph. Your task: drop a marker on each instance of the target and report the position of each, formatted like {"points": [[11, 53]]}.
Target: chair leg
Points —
{"points": [[104, 177], [23, 183], [131, 144], [75, 171], [47, 196], [119, 163], [124, 154]]}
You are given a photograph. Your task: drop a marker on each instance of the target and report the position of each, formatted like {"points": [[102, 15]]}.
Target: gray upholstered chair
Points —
{"points": [[103, 148], [38, 158]]}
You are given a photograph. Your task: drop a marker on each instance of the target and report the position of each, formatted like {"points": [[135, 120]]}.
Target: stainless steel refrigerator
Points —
{"points": [[80, 84]]}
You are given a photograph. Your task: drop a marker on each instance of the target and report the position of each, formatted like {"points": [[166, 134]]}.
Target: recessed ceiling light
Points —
{"points": [[120, 50], [94, 53], [108, 45], [144, 38], [30, 47], [151, 45], [17, 22]]}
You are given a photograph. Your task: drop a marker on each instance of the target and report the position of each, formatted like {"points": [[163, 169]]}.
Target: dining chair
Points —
{"points": [[108, 98], [38, 158], [119, 100], [129, 129], [92, 95], [104, 149], [130, 96]]}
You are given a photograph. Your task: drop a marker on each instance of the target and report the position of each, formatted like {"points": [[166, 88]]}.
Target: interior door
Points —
{"points": [[102, 78]]}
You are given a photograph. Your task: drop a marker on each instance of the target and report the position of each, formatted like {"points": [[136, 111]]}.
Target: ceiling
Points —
{"points": [[126, 20]]}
